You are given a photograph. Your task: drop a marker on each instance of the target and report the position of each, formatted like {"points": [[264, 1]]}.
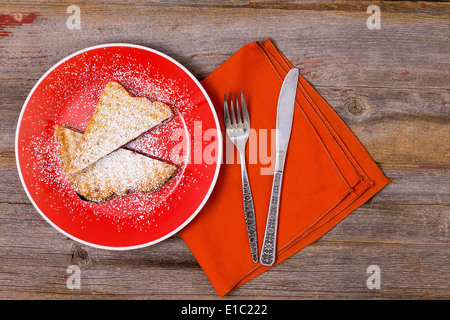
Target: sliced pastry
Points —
{"points": [[118, 118], [116, 174]]}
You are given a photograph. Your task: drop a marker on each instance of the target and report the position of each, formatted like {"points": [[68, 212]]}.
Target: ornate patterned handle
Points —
{"points": [[270, 235], [249, 211]]}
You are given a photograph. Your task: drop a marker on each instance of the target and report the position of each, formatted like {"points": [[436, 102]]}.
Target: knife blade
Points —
{"points": [[285, 114]]}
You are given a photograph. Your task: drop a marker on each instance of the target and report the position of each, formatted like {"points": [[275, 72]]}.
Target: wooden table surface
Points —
{"points": [[390, 86]]}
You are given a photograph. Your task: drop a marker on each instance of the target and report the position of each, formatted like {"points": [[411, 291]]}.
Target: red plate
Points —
{"points": [[67, 95]]}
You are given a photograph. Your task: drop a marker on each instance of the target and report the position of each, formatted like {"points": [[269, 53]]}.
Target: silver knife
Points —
{"points": [[285, 114]]}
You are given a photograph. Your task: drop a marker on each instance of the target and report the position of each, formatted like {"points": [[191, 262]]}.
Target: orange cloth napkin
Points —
{"points": [[327, 173]]}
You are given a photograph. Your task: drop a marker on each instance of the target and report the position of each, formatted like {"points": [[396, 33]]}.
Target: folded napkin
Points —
{"points": [[327, 174]]}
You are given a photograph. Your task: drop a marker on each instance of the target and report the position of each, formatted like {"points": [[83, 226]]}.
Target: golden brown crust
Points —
{"points": [[115, 175], [118, 118], [68, 142]]}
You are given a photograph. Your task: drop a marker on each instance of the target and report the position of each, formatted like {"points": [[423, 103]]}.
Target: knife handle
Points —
{"points": [[249, 212], [270, 235]]}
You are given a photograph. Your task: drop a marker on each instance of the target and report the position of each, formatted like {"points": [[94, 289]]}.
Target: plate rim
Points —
{"points": [[219, 138]]}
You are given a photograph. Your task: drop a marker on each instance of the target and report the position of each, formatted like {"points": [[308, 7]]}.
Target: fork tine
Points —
{"points": [[245, 115], [233, 118], [238, 112], [226, 113]]}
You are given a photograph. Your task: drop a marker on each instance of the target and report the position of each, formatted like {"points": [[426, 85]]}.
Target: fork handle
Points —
{"points": [[249, 212], [270, 235]]}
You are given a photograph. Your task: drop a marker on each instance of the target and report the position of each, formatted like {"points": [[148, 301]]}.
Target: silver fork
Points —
{"points": [[238, 131]]}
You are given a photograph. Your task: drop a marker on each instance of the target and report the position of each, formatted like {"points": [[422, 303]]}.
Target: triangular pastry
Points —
{"points": [[118, 118], [117, 174]]}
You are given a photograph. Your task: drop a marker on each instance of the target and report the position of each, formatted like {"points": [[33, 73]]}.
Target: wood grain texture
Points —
{"points": [[390, 86]]}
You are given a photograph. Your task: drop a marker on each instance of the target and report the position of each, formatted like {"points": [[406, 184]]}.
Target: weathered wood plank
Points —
{"points": [[343, 43], [425, 8], [410, 245], [415, 185]]}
